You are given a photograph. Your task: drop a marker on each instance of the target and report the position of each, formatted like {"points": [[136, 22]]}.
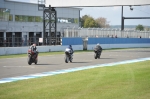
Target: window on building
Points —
{"points": [[17, 18], [38, 19], [70, 20], [10, 17], [4, 14], [25, 18], [67, 20], [31, 18], [20, 18], [41, 19], [76, 20]]}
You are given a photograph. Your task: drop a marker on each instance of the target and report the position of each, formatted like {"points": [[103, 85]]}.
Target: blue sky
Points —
{"points": [[113, 14]]}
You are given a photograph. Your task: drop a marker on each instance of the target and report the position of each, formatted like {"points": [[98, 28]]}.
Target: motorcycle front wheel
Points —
{"points": [[66, 60], [71, 58], [95, 55], [29, 60]]}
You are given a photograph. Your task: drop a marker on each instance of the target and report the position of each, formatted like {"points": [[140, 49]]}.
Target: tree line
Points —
{"points": [[142, 28], [89, 22]]}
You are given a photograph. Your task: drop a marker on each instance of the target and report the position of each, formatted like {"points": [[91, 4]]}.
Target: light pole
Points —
{"points": [[122, 20]]}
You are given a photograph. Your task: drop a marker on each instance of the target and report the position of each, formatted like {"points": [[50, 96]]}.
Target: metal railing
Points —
{"points": [[104, 32], [19, 41]]}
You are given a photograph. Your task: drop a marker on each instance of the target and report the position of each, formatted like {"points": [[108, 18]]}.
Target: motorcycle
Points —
{"points": [[97, 53], [32, 57], [68, 55]]}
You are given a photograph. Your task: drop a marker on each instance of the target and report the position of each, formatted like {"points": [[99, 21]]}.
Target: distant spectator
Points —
{"points": [[112, 36], [115, 36], [127, 36], [108, 35]]}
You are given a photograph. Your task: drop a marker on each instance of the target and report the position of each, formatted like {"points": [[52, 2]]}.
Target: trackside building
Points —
{"points": [[21, 22]]}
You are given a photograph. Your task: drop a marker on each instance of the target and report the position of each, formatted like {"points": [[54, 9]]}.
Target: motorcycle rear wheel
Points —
{"points": [[35, 62], [71, 60]]}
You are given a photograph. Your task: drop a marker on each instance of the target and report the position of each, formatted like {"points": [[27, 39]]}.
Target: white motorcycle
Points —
{"points": [[68, 55]]}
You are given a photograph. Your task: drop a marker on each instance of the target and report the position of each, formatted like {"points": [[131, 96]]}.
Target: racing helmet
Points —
{"points": [[70, 46]]}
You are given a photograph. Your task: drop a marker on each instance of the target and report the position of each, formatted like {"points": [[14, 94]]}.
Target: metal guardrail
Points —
{"points": [[104, 32], [19, 41]]}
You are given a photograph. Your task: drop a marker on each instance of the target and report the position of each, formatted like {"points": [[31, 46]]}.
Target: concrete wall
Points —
{"points": [[79, 41], [22, 50], [109, 46], [72, 41], [77, 44], [118, 40]]}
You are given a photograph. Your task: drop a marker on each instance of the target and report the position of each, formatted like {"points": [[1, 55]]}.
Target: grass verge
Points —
{"points": [[40, 54], [54, 53], [129, 81]]}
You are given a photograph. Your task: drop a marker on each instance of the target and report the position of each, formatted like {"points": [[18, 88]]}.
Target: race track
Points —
{"points": [[12, 67]]}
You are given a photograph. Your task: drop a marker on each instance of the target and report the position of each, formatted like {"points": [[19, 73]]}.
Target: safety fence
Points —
{"points": [[104, 32], [19, 41]]}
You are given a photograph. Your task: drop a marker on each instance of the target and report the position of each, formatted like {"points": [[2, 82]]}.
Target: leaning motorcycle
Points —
{"points": [[97, 53], [68, 55], [32, 57]]}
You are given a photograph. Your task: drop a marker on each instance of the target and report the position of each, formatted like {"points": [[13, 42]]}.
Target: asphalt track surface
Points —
{"points": [[12, 67]]}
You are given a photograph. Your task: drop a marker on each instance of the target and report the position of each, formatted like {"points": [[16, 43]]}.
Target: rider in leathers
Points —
{"points": [[98, 48], [34, 49], [70, 47]]}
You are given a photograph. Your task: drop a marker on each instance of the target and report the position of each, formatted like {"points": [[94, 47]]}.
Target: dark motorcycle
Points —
{"points": [[97, 53], [32, 57], [68, 56]]}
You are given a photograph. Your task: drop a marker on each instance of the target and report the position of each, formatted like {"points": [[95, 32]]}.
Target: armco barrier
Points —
{"points": [[108, 43], [118, 40], [109, 46], [72, 41], [22, 50], [77, 43]]}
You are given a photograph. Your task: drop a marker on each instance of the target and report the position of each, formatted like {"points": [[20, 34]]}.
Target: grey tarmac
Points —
{"points": [[12, 67]]}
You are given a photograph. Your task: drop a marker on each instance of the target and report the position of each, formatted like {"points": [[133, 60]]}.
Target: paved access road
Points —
{"points": [[13, 67]]}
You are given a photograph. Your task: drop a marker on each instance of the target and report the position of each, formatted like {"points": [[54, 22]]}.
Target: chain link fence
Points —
{"points": [[19, 41], [104, 32]]}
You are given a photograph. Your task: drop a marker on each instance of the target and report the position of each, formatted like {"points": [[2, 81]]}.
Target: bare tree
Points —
{"points": [[102, 22]]}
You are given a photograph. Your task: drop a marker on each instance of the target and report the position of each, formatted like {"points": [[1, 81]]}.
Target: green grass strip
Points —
{"points": [[40, 54], [56, 53], [129, 81]]}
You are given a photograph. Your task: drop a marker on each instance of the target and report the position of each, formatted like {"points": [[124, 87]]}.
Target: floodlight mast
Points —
{"points": [[49, 22], [123, 18]]}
